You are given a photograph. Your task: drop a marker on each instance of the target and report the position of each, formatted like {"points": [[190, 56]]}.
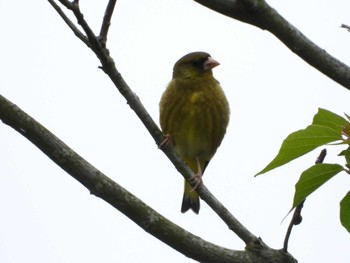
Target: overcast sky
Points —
{"points": [[46, 216]]}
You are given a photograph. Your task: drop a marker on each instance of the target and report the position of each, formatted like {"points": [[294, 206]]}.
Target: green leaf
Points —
{"points": [[329, 119], [301, 142], [346, 154], [345, 211], [313, 178]]}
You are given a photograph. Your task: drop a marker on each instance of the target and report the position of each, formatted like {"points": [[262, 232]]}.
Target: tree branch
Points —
{"points": [[297, 218], [143, 215], [74, 7], [71, 25], [260, 14], [108, 66], [346, 27], [107, 21], [255, 12]]}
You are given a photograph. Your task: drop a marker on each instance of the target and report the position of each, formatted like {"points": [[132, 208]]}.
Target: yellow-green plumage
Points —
{"points": [[194, 112]]}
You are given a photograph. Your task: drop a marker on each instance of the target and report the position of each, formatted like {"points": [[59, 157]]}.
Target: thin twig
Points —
{"points": [[71, 25], [346, 27], [106, 22], [67, 4], [321, 157], [297, 218], [74, 7]]}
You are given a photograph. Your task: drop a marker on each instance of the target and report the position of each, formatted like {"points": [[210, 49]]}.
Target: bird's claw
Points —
{"points": [[167, 141], [197, 179]]}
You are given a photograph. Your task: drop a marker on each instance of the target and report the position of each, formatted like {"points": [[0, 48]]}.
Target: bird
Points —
{"points": [[194, 114]]}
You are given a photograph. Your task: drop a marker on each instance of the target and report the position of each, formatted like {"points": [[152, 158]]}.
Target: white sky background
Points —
{"points": [[46, 216]]}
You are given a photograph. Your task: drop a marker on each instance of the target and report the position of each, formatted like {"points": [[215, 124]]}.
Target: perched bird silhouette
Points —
{"points": [[194, 114]]}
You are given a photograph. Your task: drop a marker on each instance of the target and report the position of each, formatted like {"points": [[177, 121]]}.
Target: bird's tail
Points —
{"points": [[190, 199]]}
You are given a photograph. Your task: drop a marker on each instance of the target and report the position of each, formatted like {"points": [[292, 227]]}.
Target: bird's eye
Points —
{"points": [[199, 63]]}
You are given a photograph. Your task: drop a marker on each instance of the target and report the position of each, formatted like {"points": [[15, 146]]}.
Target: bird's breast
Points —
{"points": [[200, 128], [196, 115]]}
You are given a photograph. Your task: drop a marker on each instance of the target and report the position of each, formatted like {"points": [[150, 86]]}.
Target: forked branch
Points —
{"points": [[108, 66]]}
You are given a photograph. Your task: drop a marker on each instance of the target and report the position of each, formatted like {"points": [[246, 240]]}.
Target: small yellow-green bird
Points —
{"points": [[194, 114]]}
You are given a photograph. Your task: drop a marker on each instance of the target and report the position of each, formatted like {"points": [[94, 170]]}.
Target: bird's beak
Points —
{"points": [[210, 63]]}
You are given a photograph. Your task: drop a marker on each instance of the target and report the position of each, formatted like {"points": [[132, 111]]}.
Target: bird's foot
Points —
{"points": [[167, 141], [197, 179]]}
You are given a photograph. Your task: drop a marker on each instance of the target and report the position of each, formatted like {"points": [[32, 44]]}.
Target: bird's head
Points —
{"points": [[194, 65]]}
